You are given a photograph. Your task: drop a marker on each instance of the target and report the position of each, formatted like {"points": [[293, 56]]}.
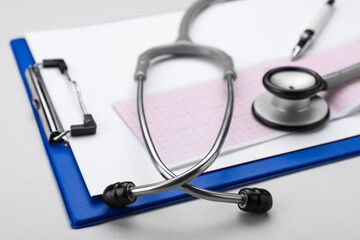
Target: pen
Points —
{"points": [[313, 29]]}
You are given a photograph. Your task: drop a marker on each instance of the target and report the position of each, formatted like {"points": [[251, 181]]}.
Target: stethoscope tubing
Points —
{"points": [[184, 45], [342, 76], [181, 180], [123, 193]]}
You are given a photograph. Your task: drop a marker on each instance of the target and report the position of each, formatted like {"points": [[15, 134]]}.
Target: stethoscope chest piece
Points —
{"points": [[291, 103]]}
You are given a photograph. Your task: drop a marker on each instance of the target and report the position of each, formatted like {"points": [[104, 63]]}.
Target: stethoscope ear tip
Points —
{"points": [[257, 200], [117, 195]]}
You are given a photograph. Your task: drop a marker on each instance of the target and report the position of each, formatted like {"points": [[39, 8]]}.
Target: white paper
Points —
{"points": [[102, 59]]}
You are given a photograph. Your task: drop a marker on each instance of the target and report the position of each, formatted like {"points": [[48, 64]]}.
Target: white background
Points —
{"points": [[320, 203]]}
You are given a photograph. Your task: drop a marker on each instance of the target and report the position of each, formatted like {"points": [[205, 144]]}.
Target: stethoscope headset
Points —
{"points": [[298, 99]]}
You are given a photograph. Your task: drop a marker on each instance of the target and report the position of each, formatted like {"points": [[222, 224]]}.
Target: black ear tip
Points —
{"points": [[116, 195], [257, 200]]}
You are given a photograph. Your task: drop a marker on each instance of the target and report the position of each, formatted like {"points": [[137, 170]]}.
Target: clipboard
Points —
{"points": [[84, 210]]}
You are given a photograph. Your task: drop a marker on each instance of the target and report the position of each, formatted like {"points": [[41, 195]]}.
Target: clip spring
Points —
{"points": [[43, 104]]}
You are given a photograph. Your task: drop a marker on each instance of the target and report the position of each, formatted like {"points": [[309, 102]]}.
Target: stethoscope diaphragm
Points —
{"points": [[291, 103]]}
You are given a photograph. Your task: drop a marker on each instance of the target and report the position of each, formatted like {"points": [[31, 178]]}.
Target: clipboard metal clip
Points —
{"points": [[45, 108]]}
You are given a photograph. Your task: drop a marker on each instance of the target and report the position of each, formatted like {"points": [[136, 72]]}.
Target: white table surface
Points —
{"points": [[319, 203]]}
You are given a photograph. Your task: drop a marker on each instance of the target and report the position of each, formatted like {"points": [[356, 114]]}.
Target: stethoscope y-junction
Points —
{"points": [[123, 193]]}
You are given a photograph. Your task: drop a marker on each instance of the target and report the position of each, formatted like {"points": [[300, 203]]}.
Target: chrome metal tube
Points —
{"points": [[176, 181], [43, 104], [194, 190]]}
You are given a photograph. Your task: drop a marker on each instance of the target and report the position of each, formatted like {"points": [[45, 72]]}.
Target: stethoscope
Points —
{"points": [[291, 103], [124, 193]]}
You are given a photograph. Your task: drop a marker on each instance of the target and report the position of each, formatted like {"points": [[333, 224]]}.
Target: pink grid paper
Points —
{"points": [[184, 122]]}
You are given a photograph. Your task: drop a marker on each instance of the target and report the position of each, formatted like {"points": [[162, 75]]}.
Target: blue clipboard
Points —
{"points": [[84, 210]]}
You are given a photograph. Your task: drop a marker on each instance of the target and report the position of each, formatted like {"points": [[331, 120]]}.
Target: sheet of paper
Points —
{"points": [[184, 122], [102, 58]]}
